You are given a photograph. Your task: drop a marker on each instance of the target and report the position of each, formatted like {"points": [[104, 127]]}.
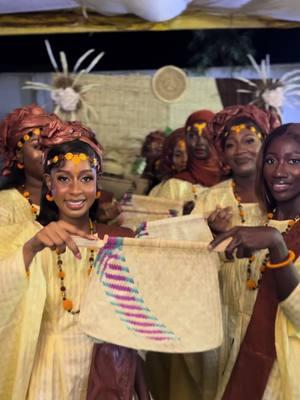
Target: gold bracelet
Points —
{"points": [[291, 258]]}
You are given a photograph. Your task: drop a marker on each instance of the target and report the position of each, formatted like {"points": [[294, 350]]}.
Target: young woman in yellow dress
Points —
{"points": [[21, 168], [260, 354], [44, 353]]}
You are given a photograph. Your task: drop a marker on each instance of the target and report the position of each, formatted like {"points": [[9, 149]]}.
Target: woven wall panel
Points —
{"points": [[128, 109]]}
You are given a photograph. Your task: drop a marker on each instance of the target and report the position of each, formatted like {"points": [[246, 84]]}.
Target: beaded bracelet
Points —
{"points": [[291, 258]]}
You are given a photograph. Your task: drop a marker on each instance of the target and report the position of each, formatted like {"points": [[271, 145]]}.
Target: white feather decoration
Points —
{"points": [[67, 92], [271, 92]]}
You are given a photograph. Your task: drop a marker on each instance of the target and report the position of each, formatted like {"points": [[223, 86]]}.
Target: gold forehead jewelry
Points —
{"points": [[28, 136], [76, 158], [238, 128], [181, 144], [200, 127]]}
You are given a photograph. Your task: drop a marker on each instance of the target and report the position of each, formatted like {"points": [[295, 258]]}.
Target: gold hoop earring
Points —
{"points": [[20, 165]]}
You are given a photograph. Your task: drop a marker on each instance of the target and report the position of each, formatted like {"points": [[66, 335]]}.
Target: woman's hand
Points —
{"points": [[56, 236], [247, 240], [220, 220]]}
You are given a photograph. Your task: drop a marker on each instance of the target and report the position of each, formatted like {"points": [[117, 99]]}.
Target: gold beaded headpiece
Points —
{"points": [[28, 136], [181, 145], [199, 127], [76, 158], [238, 128]]}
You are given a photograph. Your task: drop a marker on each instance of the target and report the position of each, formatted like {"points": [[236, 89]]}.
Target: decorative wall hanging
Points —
{"points": [[67, 90], [272, 93], [169, 83]]}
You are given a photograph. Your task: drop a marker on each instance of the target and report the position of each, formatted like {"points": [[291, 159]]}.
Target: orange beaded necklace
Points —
{"points": [[67, 303], [33, 207]]}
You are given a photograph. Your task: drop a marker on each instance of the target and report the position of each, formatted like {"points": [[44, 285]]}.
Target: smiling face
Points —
{"points": [[240, 152], [281, 169], [73, 186]]}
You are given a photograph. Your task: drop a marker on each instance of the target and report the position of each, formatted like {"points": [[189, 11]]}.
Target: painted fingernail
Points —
{"points": [[78, 255]]}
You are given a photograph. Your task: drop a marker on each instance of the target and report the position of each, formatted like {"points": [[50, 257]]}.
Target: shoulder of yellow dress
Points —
{"points": [[9, 195]]}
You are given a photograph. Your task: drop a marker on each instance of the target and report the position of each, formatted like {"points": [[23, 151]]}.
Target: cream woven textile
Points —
{"points": [[187, 227], [137, 208], [141, 296]]}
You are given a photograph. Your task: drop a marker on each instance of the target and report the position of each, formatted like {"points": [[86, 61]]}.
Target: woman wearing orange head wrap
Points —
{"points": [[21, 167], [202, 169]]}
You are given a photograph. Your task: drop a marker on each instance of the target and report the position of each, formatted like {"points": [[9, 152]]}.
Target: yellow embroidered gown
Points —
{"points": [[14, 208], [238, 302], [44, 354]]}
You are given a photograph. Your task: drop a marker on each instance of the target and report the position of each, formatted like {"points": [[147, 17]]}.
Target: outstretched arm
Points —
{"points": [[56, 236], [247, 240]]}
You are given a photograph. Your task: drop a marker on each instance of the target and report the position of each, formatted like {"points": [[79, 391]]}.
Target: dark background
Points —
{"points": [[151, 50]]}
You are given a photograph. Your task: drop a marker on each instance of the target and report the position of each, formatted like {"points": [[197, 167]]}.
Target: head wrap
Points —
{"points": [[198, 116], [60, 132], [151, 170], [205, 172], [156, 137], [166, 164], [13, 128], [265, 121]]}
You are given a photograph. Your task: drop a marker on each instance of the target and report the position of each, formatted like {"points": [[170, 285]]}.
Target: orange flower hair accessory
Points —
{"points": [[75, 158], [181, 144], [28, 136], [238, 128]]}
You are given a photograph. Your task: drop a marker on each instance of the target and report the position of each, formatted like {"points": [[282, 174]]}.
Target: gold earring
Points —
{"points": [[98, 194], [49, 196], [20, 165]]}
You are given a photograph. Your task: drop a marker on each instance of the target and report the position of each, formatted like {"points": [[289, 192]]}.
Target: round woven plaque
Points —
{"points": [[169, 83]]}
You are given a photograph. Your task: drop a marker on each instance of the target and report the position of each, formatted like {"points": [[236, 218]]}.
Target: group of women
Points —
{"points": [[241, 170]]}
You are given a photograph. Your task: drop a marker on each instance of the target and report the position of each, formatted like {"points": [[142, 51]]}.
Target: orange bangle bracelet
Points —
{"points": [[291, 258]]}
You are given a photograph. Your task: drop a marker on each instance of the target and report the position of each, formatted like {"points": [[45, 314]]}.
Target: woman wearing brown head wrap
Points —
{"points": [[202, 167], [21, 156], [173, 159], [238, 132], [195, 375], [152, 151], [56, 359], [174, 155]]}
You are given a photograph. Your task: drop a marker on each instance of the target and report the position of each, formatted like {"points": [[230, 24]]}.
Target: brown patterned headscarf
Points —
{"points": [[59, 132], [264, 120], [205, 172], [166, 167], [14, 127], [218, 127]]}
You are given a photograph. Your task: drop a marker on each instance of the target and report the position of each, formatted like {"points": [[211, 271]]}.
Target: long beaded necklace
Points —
{"points": [[239, 201], [68, 303], [33, 207]]}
